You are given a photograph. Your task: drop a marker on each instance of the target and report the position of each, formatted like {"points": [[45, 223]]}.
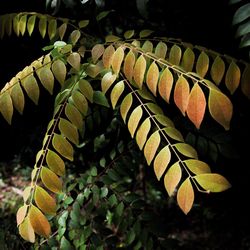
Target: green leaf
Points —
{"points": [[47, 79], [202, 64], [134, 120], [69, 130], [6, 106], [172, 178], [51, 180], [83, 23], [161, 162], [65, 244], [212, 182], [52, 27], [187, 61], [174, 133], [17, 97], [55, 163], [186, 150], [74, 59], [217, 70], [145, 33], [102, 15], [241, 14], [97, 51], [31, 87], [112, 38], [232, 79], [107, 56], [74, 115], [128, 34], [185, 196], [31, 24], [161, 50], [62, 146], [42, 25], [175, 55], [86, 89], [151, 146], [100, 98], [107, 81]]}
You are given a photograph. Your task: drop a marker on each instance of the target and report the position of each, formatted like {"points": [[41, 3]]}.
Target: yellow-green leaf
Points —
{"points": [[151, 146], [117, 60], [59, 70], [173, 133], [245, 81], [83, 23], [134, 120], [21, 213], [107, 81], [154, 108], [163, 120], [128, 67], [196, 105], [185, 196], [44, 201], [186, 150], [145, 33], [217, 70], [26, 193], [172, 178], [22, 24], [47, 79], [116, 93], [125, 106], [31, 24], [86, 89], [197, 167], [42, 25], [161, 50], [202, 64], [6, 106], [52, 28], [147, 46], [232, 79], [175, 55], [212, 182], [220, 108], [161, 162], [31, 87], [142, 133], [69, 130], [74, 59], [107, 56], [17, 97], [165, 84], [181, 94], [97, 51], [187, 61], [39, 222], [74, 36], [80, 101], [51, 180], [152, 77], [55, 162], [74, 115], [62, 146], [139, 70], [26, 230], [112, 38], [128, 34], [62, 29]]}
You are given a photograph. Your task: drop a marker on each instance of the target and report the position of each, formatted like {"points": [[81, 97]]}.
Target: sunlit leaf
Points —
{"points": [[232, 79], [117, 60], [197, 167], [152, 77], [185, 196], [165, 84], [202, 64], [22, 24], [161, 162], [125, 106], [173, 133], [39, 222], [59, 70], [75, 36], [62, 29], [134, 120], [212, 182], [47, 79], [51, 180], [97, 51], [139, 70], [26, 193], [74, 59], [31, 24], [69, 130], [172, 178], [26, 230], [220, 108], [42, 25], [44, 201], [107, 56], [80, 102], [52, 28], [151, 146], [181, 94], [17, 97], [21, 213], [142, 133], [128, 67], [196, 105], [31, 87], [107, 81], [86, 89], [116, 93], [74, 115], [147, 46]]}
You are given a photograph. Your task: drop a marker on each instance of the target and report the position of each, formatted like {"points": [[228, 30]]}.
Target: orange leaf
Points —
{"points": [[152, 77], [196, 105], [220, 108], [181, 94], [165, 84], [185, 196], [172, 178], [39, 222], [139, 71]]}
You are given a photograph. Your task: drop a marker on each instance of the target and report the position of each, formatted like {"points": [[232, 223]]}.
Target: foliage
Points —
{"points": [[100, 86]]}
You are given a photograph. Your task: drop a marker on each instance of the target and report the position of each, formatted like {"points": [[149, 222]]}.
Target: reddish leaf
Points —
{"points": [[165, 84]]}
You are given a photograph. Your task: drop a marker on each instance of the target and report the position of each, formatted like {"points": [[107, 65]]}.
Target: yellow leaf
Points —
{"points": [[152, 77], [80, 101], [142, 133], [62, 146], [181, 94], [55, 163], [31, 87], [74, 115], [47, 79], [197, 167], [186, 150], [217, 70], [175, 55], [125, 106], [134, 120], [151, 146], [185, 196], [52, 28], [44, 201], [86, 89], [61, 30], [172, 178], [26, 193], [139, 71], [202, 64], [74, 36], [107, 56], [42, 25], [26, 230], [74, 59], [161, 50], [22, 24], [212, 182], [128, 34], [21, 213], [117, 60], [39, 222], [165, 84], [196, 105], [59, 70], [232, 79], [161, 162], [17, 97], [187, 61], [97, 51], [128, 67], [51, 180], [220, 108], [31, 24], [6, 106], [69, 130], [107, 81], [116, 93]]}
